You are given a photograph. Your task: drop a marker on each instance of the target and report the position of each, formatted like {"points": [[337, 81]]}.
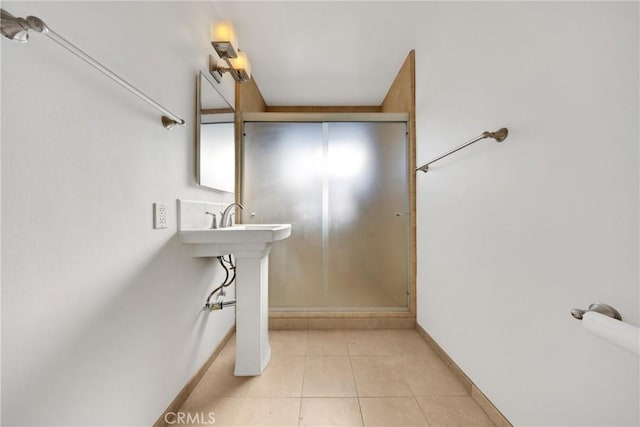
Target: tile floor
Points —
{"points": [[387, 377]]}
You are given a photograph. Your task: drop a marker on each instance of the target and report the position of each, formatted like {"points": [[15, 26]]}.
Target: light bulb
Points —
{"points": [[242, 65], [223, 39]]}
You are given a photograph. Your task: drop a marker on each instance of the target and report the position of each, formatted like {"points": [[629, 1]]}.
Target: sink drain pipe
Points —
{"points": [[220, 303]]}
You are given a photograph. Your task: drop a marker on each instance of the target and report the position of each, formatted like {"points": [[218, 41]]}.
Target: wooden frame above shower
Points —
{"points": [[400, 98]]}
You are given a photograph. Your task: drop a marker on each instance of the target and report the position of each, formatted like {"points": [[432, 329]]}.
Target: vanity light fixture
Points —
{"points": [[225, 43]]}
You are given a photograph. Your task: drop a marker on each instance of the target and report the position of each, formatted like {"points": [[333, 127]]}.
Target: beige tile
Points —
{"points": [[401, 323], [405, 342], [276, 324], [427, 375], [220, 381], [444, 357], [391, 411], [487, 406], [328, 376], [326, 323], [280, 412], [362, 323], [382, 323], [288, 324], [233, 411], [453, 411], [367, 343], [331, 411], [327, 343], [379, 376], [282, 377], [385, 369], [461, 376], [223, 409], [229, 350], [290, 343]]}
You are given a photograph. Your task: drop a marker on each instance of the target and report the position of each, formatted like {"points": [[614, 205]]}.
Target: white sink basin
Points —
{"points": [[240, 240]]}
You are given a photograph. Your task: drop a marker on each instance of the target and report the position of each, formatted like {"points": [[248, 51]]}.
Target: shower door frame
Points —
{"points": [[348, 117]]}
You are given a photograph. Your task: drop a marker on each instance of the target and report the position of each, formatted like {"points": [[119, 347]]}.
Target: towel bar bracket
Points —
{"points": [[605, 309]]}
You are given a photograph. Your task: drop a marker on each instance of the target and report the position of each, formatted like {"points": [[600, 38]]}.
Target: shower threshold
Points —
{"points": [[372, 319]]}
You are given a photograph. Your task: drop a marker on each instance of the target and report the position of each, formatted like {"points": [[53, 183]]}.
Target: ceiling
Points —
{"points": [[322, 53]]}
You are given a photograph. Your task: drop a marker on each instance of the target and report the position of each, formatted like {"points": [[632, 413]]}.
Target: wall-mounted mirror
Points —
{"points": [[215, 137]]}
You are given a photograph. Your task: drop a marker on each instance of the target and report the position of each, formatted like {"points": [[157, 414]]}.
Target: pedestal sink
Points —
{"points": [[250, 244]]}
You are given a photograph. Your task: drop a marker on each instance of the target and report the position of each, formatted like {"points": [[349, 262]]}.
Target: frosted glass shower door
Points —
{"points": [[282, 183], [367, 241], [344, 188]]}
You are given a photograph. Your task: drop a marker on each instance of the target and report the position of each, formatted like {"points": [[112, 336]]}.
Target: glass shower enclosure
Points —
{"points": [[343, 185]]}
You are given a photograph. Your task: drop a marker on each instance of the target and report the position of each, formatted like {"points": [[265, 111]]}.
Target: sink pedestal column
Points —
{"points": [[253, 351]]}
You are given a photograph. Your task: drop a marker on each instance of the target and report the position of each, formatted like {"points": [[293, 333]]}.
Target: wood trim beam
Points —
{"points": [[401, 97], [323, 109]]}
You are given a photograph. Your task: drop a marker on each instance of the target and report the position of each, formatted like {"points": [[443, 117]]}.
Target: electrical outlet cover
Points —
{"points": [[159, 215]]}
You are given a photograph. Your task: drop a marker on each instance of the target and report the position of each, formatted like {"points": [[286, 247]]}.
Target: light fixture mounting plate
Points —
{"points": [[224, 49]]}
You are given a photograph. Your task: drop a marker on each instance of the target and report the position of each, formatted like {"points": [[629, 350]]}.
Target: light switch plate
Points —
{"points": [[159, 215]]}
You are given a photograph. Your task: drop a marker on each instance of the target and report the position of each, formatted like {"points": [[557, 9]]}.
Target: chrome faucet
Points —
{"points": [[226, 215]]}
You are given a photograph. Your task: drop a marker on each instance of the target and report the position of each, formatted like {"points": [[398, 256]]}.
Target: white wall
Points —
{"points": [[101, 320], [100, 317], [513, 236]]}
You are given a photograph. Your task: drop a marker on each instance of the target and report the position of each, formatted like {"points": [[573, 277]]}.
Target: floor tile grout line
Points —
{"points": [[415, 398], [384, 396], [355, 385], [361, 413], [304, 374], [299, 411]]}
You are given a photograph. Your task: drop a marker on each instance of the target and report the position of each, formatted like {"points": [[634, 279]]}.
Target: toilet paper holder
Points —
{"points": [[598, 307]]}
